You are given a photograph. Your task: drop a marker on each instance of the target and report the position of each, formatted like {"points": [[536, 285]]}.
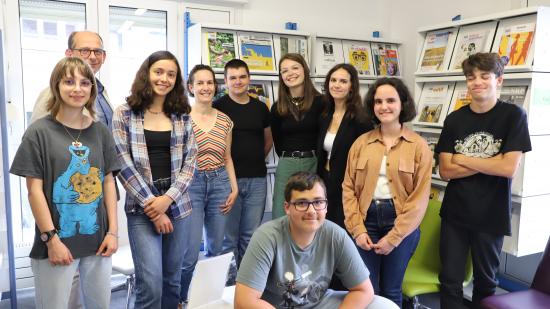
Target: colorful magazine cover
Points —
{"points": [[386, 61], [259, 92], [434, 51], [221, 48], [359, 58], [461, 97], [432, 138], [433, 104], [257, 52], [293, 45], [515, 43], [513, 94]]}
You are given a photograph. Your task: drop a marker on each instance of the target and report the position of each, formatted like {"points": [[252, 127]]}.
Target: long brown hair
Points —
{"points": [[283, 101], [67, 67], [354, 106], [141, 94]]}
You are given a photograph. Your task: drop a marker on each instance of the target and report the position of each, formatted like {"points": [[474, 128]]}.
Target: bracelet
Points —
{"points": [[112, 234]]}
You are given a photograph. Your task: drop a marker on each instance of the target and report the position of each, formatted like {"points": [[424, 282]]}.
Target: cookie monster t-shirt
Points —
{"points": [[72, 174]]}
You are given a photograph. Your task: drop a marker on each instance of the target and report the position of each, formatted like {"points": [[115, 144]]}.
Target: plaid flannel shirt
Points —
{"points": [[136, 176]]}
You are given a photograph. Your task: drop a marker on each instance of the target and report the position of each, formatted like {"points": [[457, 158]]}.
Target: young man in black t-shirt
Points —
{"points": [[251, 142], [480, 149]]}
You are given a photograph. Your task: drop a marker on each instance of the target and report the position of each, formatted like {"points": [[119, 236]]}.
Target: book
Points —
{"points": [[434, 103], [514, 39], [358, 55], [220, 48], [437, 50], [461, 97], [260, 92], [513, 94], [257, 51], [470, 40], [284, 44], [386, 59], [436, 194], [432, 137], [328, 52]]}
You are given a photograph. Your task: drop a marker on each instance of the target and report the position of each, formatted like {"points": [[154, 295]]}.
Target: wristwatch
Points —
{"points": [[46, 236]]}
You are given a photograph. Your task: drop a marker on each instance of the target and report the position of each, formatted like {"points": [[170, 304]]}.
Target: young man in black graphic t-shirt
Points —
{"points": [[480, 150]]}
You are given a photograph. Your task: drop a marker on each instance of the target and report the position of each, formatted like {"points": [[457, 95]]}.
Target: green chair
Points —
{"points": [[421, 276]]}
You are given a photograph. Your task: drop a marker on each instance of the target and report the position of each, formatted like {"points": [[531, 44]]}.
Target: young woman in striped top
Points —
{"points": [[214, 187]]}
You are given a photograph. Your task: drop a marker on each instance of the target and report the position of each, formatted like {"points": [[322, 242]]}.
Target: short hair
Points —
{"points": [[141, 93], [283, 101], [408, 107], [489, 62], [235, 64], [67, 67], [71, 43], [302, 181], [353, 104], [200, 67]]}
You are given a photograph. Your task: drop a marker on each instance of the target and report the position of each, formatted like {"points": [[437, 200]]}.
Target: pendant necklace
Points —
{"points": [[297, 101], [76, 142]]}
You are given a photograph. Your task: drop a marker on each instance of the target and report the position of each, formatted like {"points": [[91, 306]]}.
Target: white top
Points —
{"points": [[328, 142], [382, 190]]}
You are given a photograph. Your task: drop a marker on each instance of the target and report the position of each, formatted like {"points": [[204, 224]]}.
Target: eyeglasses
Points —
{"points": [[71, 83], [304, 205], [86, 52]]}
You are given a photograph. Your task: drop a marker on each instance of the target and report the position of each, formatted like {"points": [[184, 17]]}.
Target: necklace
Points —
{"points": [[76, 142], [297, 101], [154, 113]]}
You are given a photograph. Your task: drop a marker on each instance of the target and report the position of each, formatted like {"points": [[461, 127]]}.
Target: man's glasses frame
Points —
{"points": [[86, 52], [304, 205]]}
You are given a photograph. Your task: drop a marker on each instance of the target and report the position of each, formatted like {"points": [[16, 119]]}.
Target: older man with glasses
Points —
{"points": [[88, 46]]}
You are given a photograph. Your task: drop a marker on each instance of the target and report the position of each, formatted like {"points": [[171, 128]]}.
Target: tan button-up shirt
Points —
{"points": [[408, 169]]}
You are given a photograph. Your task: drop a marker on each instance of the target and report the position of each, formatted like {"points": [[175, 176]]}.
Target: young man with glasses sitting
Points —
{"points": [[290, 261]]}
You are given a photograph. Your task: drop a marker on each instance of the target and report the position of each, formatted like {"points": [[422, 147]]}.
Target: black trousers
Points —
{"points": [[455, 243]]}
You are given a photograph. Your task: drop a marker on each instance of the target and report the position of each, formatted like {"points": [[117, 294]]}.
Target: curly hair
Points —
{"points": [[489, 62], [141, 94], [283, 102], [354, 106], [67, 67], [408, 107]]}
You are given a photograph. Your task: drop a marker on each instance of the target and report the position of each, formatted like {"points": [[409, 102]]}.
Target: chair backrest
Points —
{"points": [[209, 280], [427, 252], [541, 282]]}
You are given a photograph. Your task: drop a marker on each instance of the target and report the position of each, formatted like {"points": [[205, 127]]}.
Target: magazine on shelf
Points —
{"points": [[260, 92], [434, 103], [257, 51], [461, 97], [513, 94], [219, 48], [470, 40], [432, 137], [285, 44], [438, 47], [358, 55], [328, 52], [386, 59], [437, 194], [514, 40]]}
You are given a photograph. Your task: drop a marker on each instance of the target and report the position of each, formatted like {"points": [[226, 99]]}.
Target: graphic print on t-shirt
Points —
{"points": [[77, 193], [302, 290], [479, 145]]}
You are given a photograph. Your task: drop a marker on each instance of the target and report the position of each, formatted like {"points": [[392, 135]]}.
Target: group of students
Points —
{"points": [[175, 163]]}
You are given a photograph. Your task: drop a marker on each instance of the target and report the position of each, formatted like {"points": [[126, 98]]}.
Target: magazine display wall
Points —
{"points": [[523, 37]]}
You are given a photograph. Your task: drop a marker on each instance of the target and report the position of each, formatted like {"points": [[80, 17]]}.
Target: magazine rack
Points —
{"points": [[524, 36]]}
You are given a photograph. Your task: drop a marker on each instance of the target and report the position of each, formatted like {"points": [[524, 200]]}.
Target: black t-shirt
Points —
{"points": [[292, 135], [482, 202], [247, 146], [158, 149]]}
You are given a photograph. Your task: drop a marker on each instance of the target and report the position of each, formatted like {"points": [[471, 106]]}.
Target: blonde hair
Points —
{"points": [[67, 67]]}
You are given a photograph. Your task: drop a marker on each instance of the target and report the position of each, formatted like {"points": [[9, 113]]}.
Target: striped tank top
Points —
{"points": [[211, 144]]}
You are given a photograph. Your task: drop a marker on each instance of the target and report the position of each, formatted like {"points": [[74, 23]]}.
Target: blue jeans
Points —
{"points": [[245, 216], [157, 259], [387, 271], [208, 191]]}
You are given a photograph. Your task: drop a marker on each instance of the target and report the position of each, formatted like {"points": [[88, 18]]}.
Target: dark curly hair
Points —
{"points": [[354, 106], [141, 94], [408, 107], [489, 62]]}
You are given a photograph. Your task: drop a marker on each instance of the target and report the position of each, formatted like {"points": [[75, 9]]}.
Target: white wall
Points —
{"points": [[328, 18]]}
